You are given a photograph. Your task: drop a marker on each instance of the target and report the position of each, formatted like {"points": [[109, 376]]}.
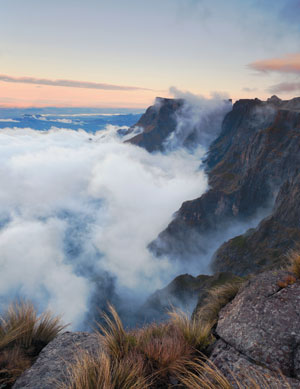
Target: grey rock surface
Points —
{"points": [[51, 365], [263, 323], [235, 365]]}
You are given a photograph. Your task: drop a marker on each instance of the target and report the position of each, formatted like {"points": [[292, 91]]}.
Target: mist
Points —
{"points": [[199, 120], [77, 212], [79, 209]]}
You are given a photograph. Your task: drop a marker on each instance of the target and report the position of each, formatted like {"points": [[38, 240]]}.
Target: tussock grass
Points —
{"points": [[166, 355], [163, 349], [294, 263], [91, 372], [22, 336], [201, 374], [217, 298], [196, 333], [152, 355], [113, 335]]}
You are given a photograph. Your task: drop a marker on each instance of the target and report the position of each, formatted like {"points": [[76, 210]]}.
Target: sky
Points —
{"points": [[117, 53]]}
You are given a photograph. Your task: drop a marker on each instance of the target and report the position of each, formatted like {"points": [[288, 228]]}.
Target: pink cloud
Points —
{"points": [[285, 87], [289, 63]]}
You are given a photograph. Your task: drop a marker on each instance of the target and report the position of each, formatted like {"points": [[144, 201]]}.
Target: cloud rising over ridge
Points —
{"points": [[199, 120]]}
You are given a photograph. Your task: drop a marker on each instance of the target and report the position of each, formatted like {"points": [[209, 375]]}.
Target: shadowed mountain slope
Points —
{"points": [[251, 165]]}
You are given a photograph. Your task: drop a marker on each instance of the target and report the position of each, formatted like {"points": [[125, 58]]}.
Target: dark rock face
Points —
{"points": [[252, 164], [261, 326], [266, 245], [157, 123], [50, 368]]}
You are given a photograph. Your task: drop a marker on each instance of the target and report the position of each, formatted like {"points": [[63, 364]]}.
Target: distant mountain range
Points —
{"points": [[88, 119]]}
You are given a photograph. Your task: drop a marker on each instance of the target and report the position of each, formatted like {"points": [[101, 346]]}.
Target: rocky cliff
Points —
{"points": [[157, 123], [253, 172]]}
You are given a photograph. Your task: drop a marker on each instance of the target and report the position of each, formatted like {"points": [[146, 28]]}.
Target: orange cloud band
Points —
{"points": [[290, 63]]}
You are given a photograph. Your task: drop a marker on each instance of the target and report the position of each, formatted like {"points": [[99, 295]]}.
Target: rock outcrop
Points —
{"points": [[157, 123], [259, 329], [51, 366]]}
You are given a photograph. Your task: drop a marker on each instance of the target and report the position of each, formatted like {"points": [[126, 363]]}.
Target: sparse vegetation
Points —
{"points": [[217, 298], [22, 336], [205, 375], [294, 263], [102, 371], [239, 242], [288, 280], [195, 332], [171, 354], [156, 354]]}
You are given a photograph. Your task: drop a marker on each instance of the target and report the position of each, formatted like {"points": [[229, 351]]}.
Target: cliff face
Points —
{"points": [[157, 123], [252, 164]]}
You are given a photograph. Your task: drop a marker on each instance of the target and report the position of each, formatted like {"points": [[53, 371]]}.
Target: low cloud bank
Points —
{"points": [[77, 212]]}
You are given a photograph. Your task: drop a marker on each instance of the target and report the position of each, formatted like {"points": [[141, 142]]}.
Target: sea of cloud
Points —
{"points": [[77, 212]]}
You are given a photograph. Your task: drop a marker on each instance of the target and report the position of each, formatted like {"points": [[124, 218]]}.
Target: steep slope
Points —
{"points": [[157, 123], [183, 293], [265, 245], [251, 161]]}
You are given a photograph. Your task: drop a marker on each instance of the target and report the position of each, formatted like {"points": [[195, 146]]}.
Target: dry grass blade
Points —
{"points": [[91, 372], [217, 298], [163, 351], [13, 362], [198, 374], [22, 336], [47, 327], [294, 263], [17, 324], [113, 335], [197, 334]]}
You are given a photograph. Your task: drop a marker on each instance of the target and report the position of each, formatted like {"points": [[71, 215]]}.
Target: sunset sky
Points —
{"points": [[117, 53]]}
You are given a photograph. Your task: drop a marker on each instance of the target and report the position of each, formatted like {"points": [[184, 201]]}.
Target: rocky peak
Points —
{"points": [[274, 100], [156, 124]]}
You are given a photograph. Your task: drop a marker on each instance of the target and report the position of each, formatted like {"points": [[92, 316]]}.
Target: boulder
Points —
{"points": [[51, 366], [262, 326], [237, 367]]}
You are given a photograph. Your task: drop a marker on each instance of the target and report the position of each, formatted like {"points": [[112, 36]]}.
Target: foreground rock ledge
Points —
{"points": [[50, 369], [261, 326]]}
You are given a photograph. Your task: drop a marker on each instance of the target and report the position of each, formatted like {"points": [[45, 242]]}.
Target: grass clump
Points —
{"points": [[102, 371], [22, 336], [196, 333], [154, 355], [167, 355], [205, 375], [217, 298], [294, 263]]}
